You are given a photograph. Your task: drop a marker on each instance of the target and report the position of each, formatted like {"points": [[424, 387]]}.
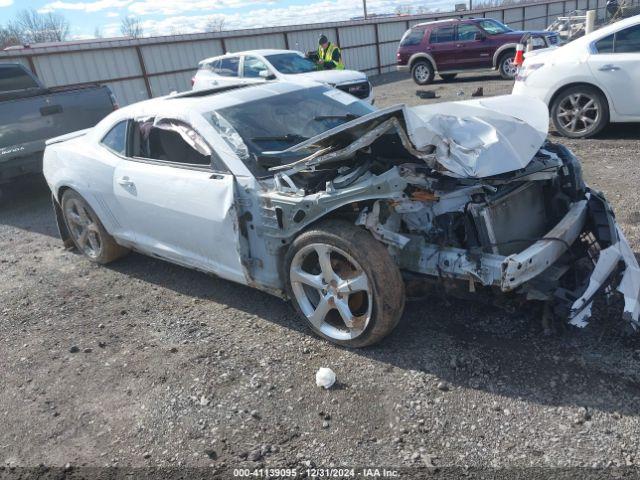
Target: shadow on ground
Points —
{"points": [[462, 342], [392, 77], [25, 203], [504, 353], [616, 131]]}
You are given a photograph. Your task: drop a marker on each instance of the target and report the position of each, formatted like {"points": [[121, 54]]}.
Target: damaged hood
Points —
{"points": [[469, 139], [481, 138]]}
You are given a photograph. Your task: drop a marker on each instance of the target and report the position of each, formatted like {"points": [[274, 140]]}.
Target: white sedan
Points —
{"points": [[256, 66], [310, 194], [589, 82]]}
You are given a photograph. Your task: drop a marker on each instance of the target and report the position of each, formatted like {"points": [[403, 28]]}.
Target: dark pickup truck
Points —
{"points": [[30, 114]]}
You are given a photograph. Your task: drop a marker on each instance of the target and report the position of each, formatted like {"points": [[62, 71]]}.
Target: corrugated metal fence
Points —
{"points": [[137, 69]]}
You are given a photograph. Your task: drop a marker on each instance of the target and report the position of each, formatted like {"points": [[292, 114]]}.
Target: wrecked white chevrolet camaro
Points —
{"points": [[310, 194]]}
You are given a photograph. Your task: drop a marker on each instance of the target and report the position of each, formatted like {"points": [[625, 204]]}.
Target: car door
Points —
{"points": [[442, 47], [615, 64], [473, 50], [176, 203]]}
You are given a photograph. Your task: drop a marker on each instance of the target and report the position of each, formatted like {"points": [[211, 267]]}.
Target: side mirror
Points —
{"points": [[267, 75], [481, 36]]}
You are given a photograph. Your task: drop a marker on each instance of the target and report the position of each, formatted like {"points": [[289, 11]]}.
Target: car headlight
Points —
{"points": [[527, 70], [538, 42]]}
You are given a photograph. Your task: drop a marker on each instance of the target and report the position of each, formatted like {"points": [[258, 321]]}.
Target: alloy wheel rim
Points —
{"points": [[509, 67], [578, 113], [422, 73], [84, 228], [332, 290]]}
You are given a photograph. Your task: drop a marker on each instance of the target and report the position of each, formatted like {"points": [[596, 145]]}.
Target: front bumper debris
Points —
{"points": [[616, 267], [608, 264]]}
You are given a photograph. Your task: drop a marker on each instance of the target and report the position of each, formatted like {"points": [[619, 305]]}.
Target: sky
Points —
{"points": [[167, 17]]}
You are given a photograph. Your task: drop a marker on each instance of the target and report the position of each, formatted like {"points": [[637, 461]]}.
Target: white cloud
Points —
{"points": [[313, 12], [164, 7], [6, 3], [94, 6]]}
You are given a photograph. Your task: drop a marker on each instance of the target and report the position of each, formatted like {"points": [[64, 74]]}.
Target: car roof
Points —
{"points": [[263, 52], [208, 100], [449, 20]]}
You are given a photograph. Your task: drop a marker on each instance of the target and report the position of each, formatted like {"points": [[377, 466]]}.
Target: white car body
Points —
{"points": [[547, 72], [216, 206], [350, 81]]}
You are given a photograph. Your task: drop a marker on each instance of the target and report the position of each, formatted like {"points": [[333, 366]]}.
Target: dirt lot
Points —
{"points": [[143, 363]]}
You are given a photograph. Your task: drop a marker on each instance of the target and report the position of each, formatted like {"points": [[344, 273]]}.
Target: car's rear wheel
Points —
{"points": [[580, 111], [87, 232], [507, 66], [344, 283], [447, 77], [422, 72]]}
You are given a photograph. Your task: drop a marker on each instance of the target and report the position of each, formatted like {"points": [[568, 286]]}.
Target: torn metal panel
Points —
{"points": [[606, 266]]}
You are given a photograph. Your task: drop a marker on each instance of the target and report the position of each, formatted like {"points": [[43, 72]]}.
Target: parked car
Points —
{"points": [[589, 82], [31, 113], [310, 194], [256, 66], [449, 47]]}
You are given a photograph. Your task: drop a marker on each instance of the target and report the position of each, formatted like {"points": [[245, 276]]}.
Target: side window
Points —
{"points": [[627, 40], [170, 141], [467, 33], [412, 37], [605, 45], [441, 35], [14, 77], [116, 139], [253, 66], [227, 67]]}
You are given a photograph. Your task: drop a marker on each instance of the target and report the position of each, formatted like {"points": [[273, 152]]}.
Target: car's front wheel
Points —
{"points": [[507, 66], [422, 72], [579, 111], [86, 230], [344, 283]]}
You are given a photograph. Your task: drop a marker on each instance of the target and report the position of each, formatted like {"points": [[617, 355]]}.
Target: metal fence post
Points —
{"points": [[375, 26], [143, 69]]}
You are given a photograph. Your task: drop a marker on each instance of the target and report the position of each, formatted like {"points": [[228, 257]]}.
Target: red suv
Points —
{"points": [[449, 47]]}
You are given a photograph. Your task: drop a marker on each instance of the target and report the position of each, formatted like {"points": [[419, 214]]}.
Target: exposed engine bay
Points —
{"points": [[465, 194]]}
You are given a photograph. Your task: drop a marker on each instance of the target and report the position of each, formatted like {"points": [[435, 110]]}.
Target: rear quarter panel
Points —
{"points": [[88, 169]]}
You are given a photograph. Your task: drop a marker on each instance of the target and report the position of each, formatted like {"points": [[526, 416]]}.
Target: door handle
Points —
{"points": [[50, 110], [609, 68], [459, 45], [125, 182]]}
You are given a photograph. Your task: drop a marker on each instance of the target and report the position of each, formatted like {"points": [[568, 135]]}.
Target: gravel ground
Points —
{"points": [[143, 363]]}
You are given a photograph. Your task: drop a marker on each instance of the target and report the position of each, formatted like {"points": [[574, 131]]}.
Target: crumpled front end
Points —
{"points": [[499, 214]]}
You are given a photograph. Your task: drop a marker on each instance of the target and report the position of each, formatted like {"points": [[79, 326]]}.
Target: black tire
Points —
{"points": [[505, 65], [422, 72], [447, 77], [384, 279], [108, 250], [562, 117]]}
